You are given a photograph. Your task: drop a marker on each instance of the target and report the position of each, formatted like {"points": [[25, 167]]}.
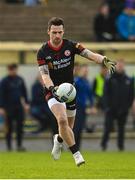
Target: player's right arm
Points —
{"points": [[43, 68], [44, 71], [48, 82]]}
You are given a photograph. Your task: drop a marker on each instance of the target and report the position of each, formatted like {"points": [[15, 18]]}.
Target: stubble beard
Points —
{"points": [[57, 42]]}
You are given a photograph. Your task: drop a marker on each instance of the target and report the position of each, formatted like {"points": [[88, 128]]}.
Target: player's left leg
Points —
{"points": [[75, 151]]}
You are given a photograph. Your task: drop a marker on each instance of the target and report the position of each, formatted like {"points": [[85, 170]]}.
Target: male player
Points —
{"points": [[56, 63]]}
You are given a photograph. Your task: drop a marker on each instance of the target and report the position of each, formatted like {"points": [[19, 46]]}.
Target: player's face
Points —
{"points": [[56, 34]]}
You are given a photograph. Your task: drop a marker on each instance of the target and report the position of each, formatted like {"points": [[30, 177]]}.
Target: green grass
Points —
{"points": [[41, 165]]}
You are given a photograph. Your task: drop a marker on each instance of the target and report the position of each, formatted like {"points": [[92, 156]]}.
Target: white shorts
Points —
{"points": [[70, 113]]}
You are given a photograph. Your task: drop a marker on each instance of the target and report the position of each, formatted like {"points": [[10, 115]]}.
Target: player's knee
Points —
{"points": [[62, 121]]}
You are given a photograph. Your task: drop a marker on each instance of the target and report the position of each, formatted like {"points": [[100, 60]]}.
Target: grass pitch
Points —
{"points": [[41, 165]]}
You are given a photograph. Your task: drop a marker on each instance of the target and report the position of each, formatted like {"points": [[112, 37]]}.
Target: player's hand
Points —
{"points": [[53, 90], [111, 65]]}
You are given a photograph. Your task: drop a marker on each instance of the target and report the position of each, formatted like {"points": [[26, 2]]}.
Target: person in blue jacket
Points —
{"points": [[84, 95], [126, 25]]}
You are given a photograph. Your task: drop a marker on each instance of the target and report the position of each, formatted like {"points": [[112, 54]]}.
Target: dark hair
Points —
{"points": [[56, 21], [12, 66]]}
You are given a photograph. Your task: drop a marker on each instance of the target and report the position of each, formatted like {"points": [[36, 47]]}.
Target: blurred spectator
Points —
{"points": [[133, 112], [31, 2], [133, 106], [116, 7], [118, 99], [98, 87], [130, 4], [40, 110], [103, 26], [126, 25], [84, 93], [12, 95], [14, 1]]}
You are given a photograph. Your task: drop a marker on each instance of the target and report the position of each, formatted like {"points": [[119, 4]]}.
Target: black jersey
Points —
{"points": [[60, 60]]}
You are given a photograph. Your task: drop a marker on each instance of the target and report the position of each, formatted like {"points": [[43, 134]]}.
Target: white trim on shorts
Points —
{"points": [[71, 113], [53, 101]]}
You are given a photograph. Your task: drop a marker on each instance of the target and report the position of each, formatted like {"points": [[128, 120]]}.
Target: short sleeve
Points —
{"points": [[41, 58], [78, 47]]}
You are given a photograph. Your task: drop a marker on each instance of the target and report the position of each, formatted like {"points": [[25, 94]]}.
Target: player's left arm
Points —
{"points": [[99, 59]]}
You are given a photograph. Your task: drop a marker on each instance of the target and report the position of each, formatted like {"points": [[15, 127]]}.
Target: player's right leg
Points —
{"points": [[57, 147], [65, 132], [57, 140]]}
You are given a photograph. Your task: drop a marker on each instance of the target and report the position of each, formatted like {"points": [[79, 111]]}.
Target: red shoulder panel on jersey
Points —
{"points": [[41, 62], [80, 47]]}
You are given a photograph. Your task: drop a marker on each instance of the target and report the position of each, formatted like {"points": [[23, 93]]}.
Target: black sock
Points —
{"points": [[60, 140], [73, 149]]}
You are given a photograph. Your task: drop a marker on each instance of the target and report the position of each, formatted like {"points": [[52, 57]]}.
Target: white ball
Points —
{"points": [[66, 92]]}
